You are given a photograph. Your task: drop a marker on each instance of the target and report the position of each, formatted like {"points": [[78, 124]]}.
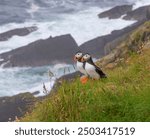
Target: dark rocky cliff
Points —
{"points": [[101, 46], [139, 14], [42, 52], [116, 12]]}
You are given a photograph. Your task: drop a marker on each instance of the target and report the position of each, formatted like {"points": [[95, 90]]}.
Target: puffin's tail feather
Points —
{"points": [[103, 76], [101, 73]]}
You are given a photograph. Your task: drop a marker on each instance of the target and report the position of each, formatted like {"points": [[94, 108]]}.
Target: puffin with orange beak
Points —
{"points": [[92, 70], [80, 65]]}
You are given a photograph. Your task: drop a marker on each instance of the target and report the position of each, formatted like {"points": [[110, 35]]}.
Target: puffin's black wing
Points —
{"points": [[100, 72], [84, 65]]}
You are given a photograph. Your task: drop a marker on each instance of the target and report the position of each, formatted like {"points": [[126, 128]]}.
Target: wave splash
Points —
{"points": [[19, 80]]}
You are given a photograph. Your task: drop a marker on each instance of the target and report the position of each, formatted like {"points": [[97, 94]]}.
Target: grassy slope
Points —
{"points": [[124, 96]]}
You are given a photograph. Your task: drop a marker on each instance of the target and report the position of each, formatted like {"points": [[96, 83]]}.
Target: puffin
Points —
{"points": [[92, 70], [80, 65]]}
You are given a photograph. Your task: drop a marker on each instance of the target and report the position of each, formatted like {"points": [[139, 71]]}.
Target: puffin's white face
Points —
{"points": [[86, 57], [78, 56]]}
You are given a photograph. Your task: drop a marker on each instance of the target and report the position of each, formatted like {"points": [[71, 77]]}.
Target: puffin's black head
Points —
{"points": [[78, 56], [86, 57]]}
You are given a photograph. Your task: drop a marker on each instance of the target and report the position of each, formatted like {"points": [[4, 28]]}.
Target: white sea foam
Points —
{"points": [[33, 8], [19, 80], [140, 3], [1, 59], [48, 85]]}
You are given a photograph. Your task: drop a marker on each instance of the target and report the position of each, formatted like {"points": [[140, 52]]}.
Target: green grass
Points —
{"points": [[124, 96]]}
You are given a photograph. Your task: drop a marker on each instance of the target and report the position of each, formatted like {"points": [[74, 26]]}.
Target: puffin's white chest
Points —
{"points": [[91, 71], [80, 68]]}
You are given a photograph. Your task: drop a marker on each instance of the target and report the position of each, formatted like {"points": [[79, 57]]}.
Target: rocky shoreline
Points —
{"points": [[44, 52], [116, 12], [60, 49], [11, 108], [14, 107]]}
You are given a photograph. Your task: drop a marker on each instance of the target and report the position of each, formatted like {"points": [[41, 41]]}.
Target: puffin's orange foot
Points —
{"points": [[84, 79]]}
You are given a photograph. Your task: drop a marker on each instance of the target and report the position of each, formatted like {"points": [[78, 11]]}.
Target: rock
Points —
{"points": [[17, 105], [110, 65], [109, 58], [51, 51], [36, 93], [70, 76], [124, 48], [139, 14], [116, 12], [18, 31], [147, 44]]}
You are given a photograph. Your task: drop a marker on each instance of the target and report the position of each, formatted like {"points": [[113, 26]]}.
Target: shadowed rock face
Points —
{"points": [[139, 14], [42, 52], [19, 32], [116, 12], [99, 47], [17, 105]]}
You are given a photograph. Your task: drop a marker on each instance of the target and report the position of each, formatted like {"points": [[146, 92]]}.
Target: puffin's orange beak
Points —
{"points": [[75, 58], [82, 59]]}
